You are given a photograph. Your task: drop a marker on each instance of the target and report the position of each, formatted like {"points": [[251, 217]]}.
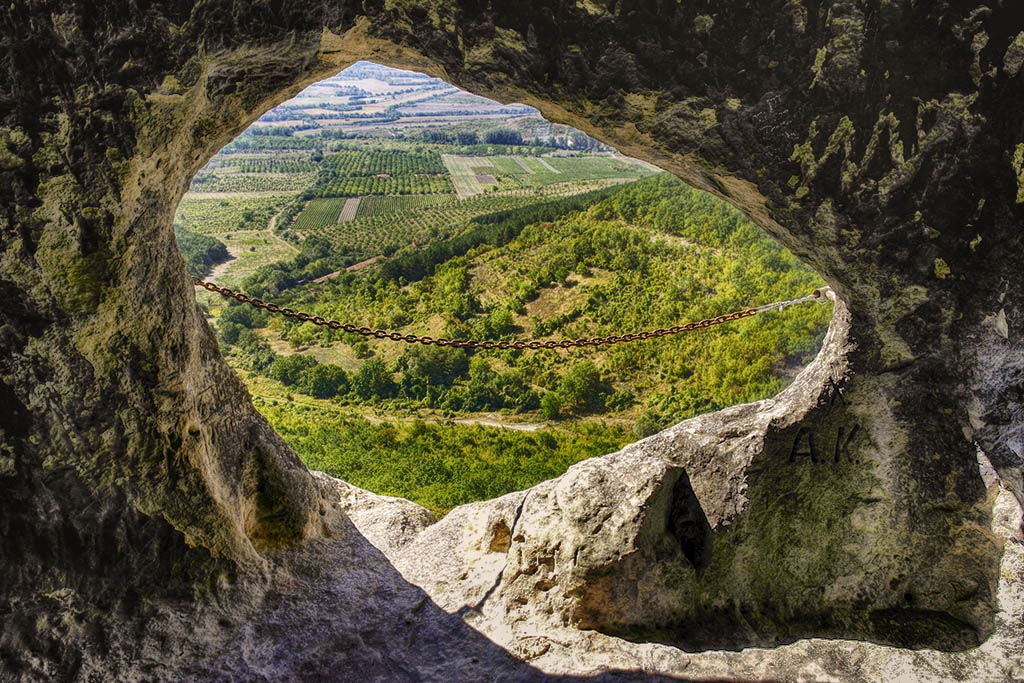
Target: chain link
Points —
{"points": [[818, 295]]}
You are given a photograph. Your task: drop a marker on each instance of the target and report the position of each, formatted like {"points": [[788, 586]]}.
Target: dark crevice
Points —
{"points": [[15, 418], [688, 524]]}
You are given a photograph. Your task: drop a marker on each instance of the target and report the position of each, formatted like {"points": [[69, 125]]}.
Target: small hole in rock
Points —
{"points": [[501, 538]]}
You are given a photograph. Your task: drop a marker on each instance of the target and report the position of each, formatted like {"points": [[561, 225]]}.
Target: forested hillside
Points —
{"points": [[653, 253]]}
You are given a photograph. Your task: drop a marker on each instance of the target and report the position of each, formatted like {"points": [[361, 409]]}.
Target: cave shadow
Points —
{"points": [[340, 611]]}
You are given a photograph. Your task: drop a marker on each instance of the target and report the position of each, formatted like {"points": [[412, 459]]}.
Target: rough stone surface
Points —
{"points": [[153, 526], [387, 522]]}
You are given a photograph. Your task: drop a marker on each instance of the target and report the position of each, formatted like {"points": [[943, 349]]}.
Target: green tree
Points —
{"points": [[288, 369], [499, 323], [201, 252], [581, 389], [248, 341], [372, 380], [451, 293], [651, 422], [482, 392], [303, 335], [361, 349], [434, 365], [550, 406], [246, 316], [620, 400], [324, 381], [227, 333], [261, 360]]}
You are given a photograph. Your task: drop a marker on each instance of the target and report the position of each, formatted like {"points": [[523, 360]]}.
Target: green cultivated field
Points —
{"points": [[252, 182], [359, 172], [394, 162], [294, 164], [513, 172], [463, 171], [227, 213], [401, 185], [378, 205], [319, 215], [420, 218]]}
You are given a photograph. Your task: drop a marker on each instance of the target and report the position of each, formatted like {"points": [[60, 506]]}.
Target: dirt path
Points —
{"points": [[348, 211], [269, 230], [522, 165], [491, 421], [240, 255], [548, 166], [218, 270]]}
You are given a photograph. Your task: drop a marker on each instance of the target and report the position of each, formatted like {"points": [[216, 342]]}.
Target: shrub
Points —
{"points": [[550, 406], [324, 381], [372, 380], [288, 369]]}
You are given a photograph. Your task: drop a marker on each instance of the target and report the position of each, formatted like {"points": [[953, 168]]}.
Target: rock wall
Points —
{"points": [[154, 525]]}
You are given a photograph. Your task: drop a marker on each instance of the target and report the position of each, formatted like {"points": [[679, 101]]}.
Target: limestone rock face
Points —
{"points": [[154, 526], [751, 526]]}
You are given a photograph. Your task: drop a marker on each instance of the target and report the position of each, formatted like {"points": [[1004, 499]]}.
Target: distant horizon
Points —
{"points": [[354, 75]]}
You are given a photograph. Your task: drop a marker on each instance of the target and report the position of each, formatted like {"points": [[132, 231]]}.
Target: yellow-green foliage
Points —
{"points": [[1018, 167], [655, 254], [438, 465]]}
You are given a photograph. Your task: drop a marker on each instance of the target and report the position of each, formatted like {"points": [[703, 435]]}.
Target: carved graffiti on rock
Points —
{"points": [[810, 446]]}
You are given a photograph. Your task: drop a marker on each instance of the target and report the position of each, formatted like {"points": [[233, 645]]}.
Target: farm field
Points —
{"points": [[514, 171], [374, 200], [359, 172], [523, 165], [392, 162], [464, 170], [250, 251], [264, 163], [253, 182], [318, 215], [222, 214], [359, 186], [377, 205], [378, 229], [349, 210], [547, 166]]}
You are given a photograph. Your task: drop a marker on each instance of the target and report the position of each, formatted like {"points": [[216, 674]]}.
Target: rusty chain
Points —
{"points": [[818, 295]]}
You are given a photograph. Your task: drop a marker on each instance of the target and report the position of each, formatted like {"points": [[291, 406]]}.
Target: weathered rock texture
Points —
{"points": [[154, 526]]}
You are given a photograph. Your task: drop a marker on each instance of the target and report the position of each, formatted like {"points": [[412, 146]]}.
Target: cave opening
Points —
{"points": [[846, 506], [393, 200]]}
